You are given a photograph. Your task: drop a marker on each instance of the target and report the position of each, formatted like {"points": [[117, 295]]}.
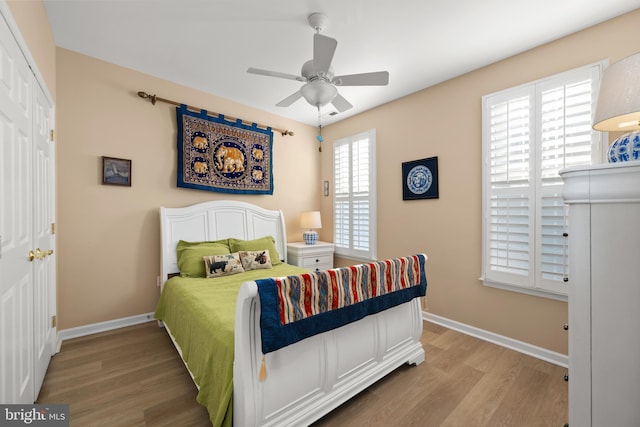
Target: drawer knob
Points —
{"points": [[565, 279], [565, 234], [566, 377], [317, 260], [565, 327]]}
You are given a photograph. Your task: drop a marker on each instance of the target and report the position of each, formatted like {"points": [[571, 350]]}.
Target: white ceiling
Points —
{"points": [[209, 44]]}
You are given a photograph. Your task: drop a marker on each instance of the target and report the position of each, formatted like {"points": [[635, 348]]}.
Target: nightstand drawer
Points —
{"points": [[315, 261], [318, 257]]}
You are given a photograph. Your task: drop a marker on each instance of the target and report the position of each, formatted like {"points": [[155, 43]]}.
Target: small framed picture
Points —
{"points": [[116, 171], [420, 179]]}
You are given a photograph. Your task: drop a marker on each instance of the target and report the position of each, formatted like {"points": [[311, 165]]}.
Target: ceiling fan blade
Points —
{"points": [[289, 99], [341, 104], [323, 49], [377, 78], [252, 70]]}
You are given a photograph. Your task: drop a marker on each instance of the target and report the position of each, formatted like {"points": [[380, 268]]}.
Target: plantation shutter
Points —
{"points": [[565, 140], [341, 211], [510, 214], [354, 216], [530, 133]]}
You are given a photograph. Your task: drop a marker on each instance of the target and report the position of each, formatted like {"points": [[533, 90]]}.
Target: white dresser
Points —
{"points": [[316, 257], [604, 294]]}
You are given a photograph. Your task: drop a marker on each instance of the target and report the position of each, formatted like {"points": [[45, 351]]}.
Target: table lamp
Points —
{"points": [[618, 108], [310, 220]]}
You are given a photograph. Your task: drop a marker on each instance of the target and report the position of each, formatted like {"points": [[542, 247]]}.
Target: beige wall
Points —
{"points": [[34, 27], [445, 121], [108, 236]]}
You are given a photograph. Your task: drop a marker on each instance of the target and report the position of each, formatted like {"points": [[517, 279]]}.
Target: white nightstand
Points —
{"points": [[316, 257]]}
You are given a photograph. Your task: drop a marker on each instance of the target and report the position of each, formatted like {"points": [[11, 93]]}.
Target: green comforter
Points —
{"points": [[200, 313]]}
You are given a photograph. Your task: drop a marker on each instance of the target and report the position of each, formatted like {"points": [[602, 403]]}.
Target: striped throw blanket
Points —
{"points": [[297, 307]]}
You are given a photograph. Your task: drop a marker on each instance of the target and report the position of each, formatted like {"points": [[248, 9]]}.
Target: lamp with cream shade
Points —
{"points": [[309, 221], [618, 108]]}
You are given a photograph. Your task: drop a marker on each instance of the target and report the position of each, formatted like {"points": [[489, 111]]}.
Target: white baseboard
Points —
{"points": [[519, 346], [109, 325]]}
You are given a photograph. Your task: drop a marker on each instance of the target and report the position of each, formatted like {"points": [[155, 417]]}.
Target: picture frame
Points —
{"points": [[420, 179], [116, 171]]}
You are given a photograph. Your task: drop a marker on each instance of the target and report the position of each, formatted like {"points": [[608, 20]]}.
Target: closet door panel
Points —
{"points": [[43, 217], [16, 207]]}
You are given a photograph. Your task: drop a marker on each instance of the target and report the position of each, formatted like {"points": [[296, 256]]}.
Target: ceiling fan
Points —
{"points": [[320, 82]]}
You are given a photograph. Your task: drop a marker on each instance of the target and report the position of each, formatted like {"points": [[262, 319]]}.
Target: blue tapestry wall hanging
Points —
{"points": [[215, 154]]}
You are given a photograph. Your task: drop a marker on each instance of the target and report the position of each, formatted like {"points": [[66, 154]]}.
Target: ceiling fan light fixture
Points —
{"points": [[318, 92]]}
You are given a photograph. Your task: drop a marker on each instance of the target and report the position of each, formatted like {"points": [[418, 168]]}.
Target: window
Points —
{"points": [[354, 196], [529, 133]]}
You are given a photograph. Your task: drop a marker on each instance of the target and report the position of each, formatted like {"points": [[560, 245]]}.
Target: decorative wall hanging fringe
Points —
{"points": [[154, 99]]}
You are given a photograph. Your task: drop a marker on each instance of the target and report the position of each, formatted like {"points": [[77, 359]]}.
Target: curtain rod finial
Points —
{"points": [[145, 95]]}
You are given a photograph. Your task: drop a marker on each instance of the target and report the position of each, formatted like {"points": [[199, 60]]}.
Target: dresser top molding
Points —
{"points": [[602, 183]]}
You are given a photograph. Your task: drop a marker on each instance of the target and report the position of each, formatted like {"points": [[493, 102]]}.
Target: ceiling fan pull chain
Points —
{"points": [[319, 137]]}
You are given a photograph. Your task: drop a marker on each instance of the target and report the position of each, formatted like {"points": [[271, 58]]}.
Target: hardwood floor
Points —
{"points": [[134, 377], [127, 377]]}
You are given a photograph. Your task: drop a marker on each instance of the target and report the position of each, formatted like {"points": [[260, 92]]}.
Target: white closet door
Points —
{"points": [[44, 287], [16, 202]]}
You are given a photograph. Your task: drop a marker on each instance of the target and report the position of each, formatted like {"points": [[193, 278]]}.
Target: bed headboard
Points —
{"points": [[216, 220]]}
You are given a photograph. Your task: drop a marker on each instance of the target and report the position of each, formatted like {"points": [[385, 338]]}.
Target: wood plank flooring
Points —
{"points": [[134, 377]]}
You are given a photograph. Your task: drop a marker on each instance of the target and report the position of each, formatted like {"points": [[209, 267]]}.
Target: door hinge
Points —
{"points": [[53, 228], [54, 321], [52, 135]]}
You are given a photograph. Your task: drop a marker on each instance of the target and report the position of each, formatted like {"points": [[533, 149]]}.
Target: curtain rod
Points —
{"points": [[154, 99]]}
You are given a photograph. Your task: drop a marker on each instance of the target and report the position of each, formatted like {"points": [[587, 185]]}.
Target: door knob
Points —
{"points": [[42, 254]]}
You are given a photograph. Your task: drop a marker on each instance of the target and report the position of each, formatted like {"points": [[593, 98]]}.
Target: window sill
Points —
{"points": [[528, 291]]}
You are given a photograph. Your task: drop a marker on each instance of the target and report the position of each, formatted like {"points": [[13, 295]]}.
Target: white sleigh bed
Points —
{"points": [[308, 379]]}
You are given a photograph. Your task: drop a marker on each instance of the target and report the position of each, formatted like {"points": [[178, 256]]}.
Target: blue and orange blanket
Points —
{"points": [[296, 307]]}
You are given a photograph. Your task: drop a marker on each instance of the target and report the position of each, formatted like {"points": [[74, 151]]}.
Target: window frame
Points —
{"points": [[532, 283], [351, 252]]}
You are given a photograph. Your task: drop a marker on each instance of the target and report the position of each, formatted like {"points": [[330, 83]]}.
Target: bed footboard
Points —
{"points": [[308, 379]]}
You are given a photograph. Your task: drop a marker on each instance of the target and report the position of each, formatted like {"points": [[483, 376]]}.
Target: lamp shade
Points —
{"points": [[310, 220], [618, 107]]}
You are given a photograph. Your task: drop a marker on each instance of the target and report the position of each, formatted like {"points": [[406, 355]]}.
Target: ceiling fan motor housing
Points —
{"points": [[310, 72]]}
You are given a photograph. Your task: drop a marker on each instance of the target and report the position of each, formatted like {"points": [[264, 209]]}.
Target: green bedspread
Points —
{"points": [[200, 314]]}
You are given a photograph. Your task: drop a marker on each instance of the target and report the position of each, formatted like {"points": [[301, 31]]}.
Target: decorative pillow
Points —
{"points": [[255, 260], [267, 242], [190, 255], [223, 265]]}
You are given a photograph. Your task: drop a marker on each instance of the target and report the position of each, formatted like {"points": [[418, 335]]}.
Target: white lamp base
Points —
{"points": [[310, 237]]}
